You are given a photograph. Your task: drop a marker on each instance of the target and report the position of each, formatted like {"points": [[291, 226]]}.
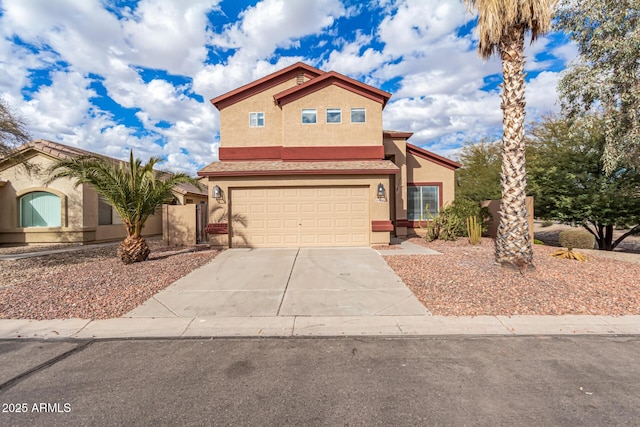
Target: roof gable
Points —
{"points": [[265, 83], [328, 79], [48, 148], [432, 157]]}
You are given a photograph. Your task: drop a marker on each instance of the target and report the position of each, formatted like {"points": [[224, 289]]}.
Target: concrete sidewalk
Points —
{"points": [[292, 326]]}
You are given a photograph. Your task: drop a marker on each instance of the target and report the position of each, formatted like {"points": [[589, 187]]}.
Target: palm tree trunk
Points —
{"points": [[133, 249], [513, 244]]}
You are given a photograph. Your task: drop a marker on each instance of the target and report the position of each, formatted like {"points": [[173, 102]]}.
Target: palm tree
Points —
{"points": [[134, 190], [502, 25]]}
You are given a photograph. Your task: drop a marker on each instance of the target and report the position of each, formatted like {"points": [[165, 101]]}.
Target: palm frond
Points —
{"points": [[133, 189], [496, 16]]}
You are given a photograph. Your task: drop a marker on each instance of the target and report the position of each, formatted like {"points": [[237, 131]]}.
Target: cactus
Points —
{"points": [[474, 230]]}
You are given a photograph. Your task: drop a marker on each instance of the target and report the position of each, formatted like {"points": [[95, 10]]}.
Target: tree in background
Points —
{"points": [[134, 190], [606, 75], [502, 25], [479, 177], [569, 183], [13, 130]]}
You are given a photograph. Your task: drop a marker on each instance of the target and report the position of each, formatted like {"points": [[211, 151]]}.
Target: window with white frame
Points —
{"points": [[334, 115], [256, 120], [40, 209], [422, 201], [358, 115], [309, 116]]}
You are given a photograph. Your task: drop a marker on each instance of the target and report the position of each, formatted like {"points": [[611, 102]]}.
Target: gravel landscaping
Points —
{"points": [[465, 281], [90, 283]]}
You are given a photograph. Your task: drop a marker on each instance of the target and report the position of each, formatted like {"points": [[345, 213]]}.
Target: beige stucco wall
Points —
{"points": [[234, 120], [397, 147], [179, 225], [186, 199], [421, 170], [332, 134], [19, 182], [378, 210]]}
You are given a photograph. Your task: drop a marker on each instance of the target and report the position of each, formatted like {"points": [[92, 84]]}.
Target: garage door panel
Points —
{"points": [[342, 223], [302, 216], [358, 223], [325, 223], [324, 208]]}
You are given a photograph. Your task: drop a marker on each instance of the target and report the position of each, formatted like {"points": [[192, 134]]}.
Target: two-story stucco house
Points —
{"points": [[304, 161]]}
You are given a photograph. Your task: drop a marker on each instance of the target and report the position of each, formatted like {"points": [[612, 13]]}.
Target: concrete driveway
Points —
{"points": [[287, 282]]}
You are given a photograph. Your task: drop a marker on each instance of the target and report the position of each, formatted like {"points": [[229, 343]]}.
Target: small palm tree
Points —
{"points": [[502, 25], [133, 189]]}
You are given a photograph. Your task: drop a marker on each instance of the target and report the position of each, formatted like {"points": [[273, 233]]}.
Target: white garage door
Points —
{"points": [[301, 216]]}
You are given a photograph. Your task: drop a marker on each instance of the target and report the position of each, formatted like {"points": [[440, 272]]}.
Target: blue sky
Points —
{"points": [[112, 75]]}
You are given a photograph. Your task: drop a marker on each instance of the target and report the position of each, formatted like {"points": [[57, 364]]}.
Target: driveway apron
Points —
{"points": [[287, 282]]}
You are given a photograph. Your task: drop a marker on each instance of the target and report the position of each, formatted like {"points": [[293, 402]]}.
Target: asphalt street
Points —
{"points": [[541, 380]]}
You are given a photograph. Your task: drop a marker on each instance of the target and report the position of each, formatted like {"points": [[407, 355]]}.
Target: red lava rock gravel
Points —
{"points": [[90, 283], [465, 281]]}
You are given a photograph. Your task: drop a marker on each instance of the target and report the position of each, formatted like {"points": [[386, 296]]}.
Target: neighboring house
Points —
{"points": [[187, 194], [304, 161], [33, 212]]}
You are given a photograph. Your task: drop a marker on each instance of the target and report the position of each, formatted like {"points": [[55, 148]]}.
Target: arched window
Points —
{"points": [[40, 209]]}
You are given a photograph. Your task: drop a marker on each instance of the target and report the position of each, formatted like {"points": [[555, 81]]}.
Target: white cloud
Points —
{"points": [[418, 24], [277, 23], [438, 76]]}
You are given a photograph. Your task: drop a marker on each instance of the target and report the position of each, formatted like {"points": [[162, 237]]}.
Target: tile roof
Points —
{"points": [[363, 167], [53, 149]]}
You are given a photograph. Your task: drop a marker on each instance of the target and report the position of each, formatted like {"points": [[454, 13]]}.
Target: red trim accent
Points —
{"points": [[413, 224], [260, 85], [250, 153], [430, 184], [369, 152], [396, 134], [403, 223], [303, 172], [375, 152], [217, 228], [432, 157], [332, 78], [381, 225]]}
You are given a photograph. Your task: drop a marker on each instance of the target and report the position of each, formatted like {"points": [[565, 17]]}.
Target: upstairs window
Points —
{"points": [[256, 120], [40, 209], [309, 116], [334, 115], [358, 115]]}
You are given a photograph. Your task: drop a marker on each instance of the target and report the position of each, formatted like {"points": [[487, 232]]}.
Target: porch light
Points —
{"points": [[217, 192], [382, 194]]}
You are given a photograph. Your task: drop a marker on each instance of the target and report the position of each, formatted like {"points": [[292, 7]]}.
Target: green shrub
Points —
{"points": [[451, 222], [538, 242], [440, 227], [577, 239], [546, 223], [461, 209]]}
